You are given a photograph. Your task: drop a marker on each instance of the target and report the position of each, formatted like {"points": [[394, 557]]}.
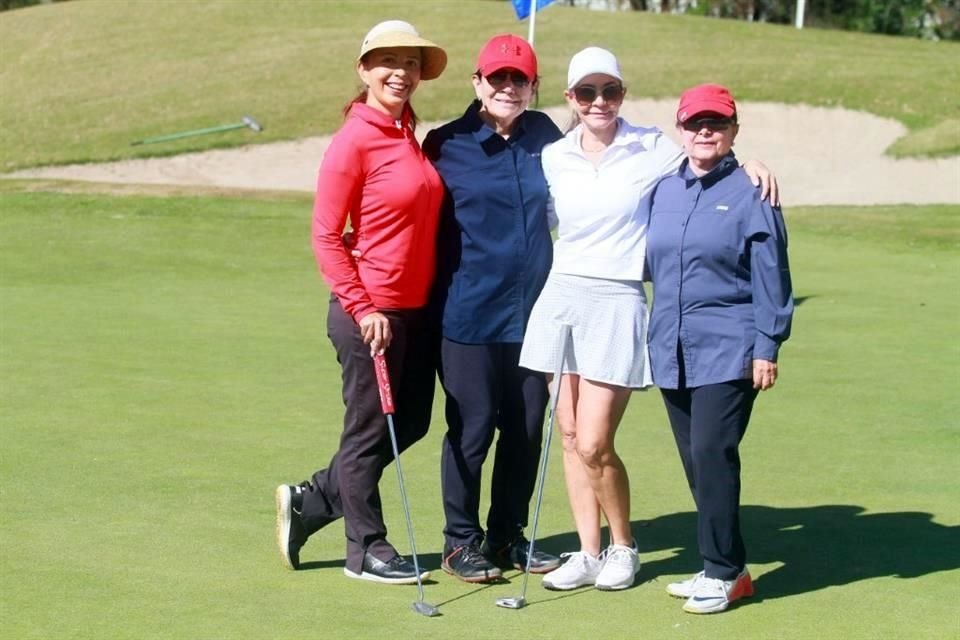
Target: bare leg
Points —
{"points": [[583, 501], [599, 409]]}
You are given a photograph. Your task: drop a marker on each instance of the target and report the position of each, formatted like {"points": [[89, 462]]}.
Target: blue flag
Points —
{"points": [[522, 7]]}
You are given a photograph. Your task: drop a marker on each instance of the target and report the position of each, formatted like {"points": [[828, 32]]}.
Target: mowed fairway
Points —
{"points": [[164, 365]]}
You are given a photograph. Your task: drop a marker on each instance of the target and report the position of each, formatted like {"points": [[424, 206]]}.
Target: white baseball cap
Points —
{"points": [[589, 61]]}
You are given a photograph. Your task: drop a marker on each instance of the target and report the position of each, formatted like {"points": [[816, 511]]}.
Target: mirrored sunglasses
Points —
{"points": [[587, 93], [713, 124], [499, 78]]}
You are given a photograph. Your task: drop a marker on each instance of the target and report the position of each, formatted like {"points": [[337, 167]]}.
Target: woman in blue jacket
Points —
{"points": [[494, 255], [723, 304]]}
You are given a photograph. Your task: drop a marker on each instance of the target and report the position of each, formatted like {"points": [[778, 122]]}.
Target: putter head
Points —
{"points": [[511, 603], [425, 609], [253, 124]]}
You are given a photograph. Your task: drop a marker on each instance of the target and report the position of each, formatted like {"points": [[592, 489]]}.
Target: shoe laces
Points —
{"points": [[574, 558], [692, 582], [712, 587], [620, 555], [471, 553]]}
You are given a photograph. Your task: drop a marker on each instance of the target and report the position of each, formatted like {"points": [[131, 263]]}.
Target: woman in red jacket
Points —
{"points": [[375, 174]]}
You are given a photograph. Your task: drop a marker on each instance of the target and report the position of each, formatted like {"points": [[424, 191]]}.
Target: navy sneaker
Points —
{"points": [[514, 554], [469, 564], [290, 532], [397, 570]]}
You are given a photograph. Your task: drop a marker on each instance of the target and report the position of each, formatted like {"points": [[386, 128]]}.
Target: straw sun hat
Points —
{"points": [[397, 33]]}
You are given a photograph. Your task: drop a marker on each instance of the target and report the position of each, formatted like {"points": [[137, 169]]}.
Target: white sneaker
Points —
{"points": [[620, 568], [579, 570], [686, 588], [713, 595]]}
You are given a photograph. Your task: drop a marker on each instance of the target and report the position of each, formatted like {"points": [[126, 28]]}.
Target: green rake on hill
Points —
{"points": [[247, 122]]}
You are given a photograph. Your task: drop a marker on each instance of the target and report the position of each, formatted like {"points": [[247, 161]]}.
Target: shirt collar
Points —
{"points": [[482, 131], [625, 135], [727, 164], [379, 118]]}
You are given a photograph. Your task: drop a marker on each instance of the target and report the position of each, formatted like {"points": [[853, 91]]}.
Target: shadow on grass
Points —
{"points": [[818, 547]]}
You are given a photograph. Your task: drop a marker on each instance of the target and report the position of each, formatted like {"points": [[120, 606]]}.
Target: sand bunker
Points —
{"points": [[820, 155]]}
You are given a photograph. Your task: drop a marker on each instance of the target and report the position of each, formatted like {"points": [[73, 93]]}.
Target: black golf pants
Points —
{"points": [[487, 390], [708, 424], [348, 487]]}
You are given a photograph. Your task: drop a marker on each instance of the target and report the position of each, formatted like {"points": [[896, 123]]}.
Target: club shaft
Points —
{"points": [[403, 500], [547, 438]]}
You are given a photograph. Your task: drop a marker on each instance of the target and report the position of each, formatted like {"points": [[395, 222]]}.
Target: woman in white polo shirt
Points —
{"points": [[598, 174]]}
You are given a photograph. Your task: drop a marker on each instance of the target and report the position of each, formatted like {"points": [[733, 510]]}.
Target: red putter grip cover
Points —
{"points": [[383, 383]]}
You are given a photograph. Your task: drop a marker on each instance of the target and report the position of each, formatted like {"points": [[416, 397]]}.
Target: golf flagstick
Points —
{"points": [[519, 603], [386, 402]]}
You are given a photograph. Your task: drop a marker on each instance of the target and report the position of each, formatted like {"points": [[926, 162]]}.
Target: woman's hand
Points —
{"points": [[350, 245], [375, 331], [760, 175], [764, 374]]}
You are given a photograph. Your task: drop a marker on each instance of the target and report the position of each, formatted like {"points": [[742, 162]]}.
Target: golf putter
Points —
{"points": [[519, 603], [386, 402]]}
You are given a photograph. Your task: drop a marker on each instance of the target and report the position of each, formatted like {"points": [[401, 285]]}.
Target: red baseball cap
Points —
{"points": [[706, 98], [507, 51]]}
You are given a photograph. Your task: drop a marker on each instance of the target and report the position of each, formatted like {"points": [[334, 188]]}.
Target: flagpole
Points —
{"points": [[533, 21]]}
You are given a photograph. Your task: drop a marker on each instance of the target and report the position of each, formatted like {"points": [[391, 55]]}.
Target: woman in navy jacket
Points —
{"points": [[723, 304], [494, 254]]}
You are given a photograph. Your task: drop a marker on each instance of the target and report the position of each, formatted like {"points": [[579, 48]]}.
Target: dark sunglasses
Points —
{"points": [[587, 93], [499, 78], [713, 124]]}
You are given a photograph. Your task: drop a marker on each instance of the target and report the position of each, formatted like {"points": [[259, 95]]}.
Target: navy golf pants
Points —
{"points": [[487, 390], [708, 424], [348, 487]]}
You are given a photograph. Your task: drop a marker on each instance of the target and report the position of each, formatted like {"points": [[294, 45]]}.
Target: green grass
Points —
{"points": [[164, 364], [81, 80]]}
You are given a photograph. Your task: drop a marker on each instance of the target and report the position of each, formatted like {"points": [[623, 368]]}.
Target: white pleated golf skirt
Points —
{"points": [[609, 330]]}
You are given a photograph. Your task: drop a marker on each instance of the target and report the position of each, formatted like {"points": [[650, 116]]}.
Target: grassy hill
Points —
{"points": [[81, 80]]}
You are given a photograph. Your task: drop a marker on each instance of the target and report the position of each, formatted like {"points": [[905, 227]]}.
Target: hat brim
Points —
{"points": [[492, 67], [434, 57], [583, 74], [705, 106]]}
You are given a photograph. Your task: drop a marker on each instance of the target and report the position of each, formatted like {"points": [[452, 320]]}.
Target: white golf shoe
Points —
{"points": [[579, 570], [686, 588], [713, 595], [620, 568]]}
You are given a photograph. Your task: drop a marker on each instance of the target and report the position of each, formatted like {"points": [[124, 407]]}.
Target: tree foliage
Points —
{"points": [[6, 5], [931, 19]]}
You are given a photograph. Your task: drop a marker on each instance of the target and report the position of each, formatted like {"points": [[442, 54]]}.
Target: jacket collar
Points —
{"points": [[482, 131], [725, 167]]}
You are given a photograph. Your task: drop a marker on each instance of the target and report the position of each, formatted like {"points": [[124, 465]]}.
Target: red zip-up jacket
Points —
{"points": [[375, 173]]}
